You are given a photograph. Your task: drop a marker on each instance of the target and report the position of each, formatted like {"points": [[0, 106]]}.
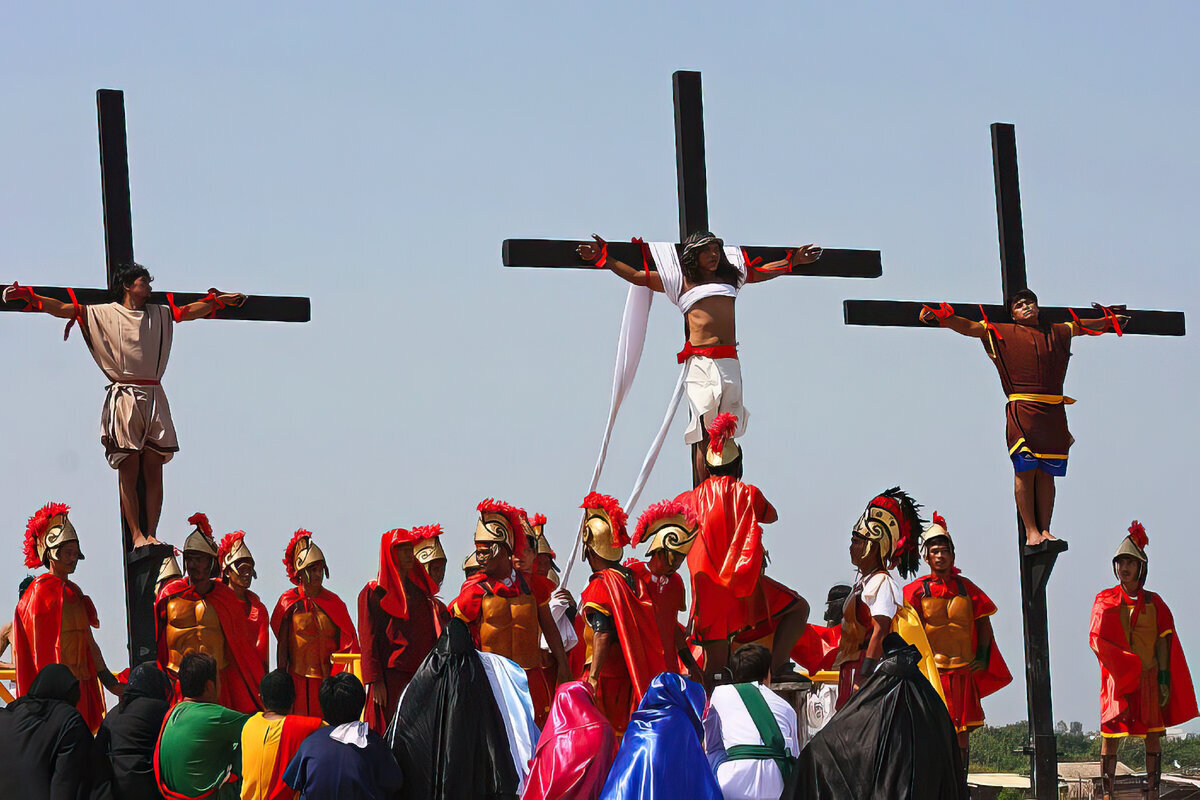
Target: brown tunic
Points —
{"points": [[1033, 361]]}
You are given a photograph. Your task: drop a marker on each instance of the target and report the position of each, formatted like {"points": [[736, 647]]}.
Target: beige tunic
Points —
{"points": [[131, 346]]}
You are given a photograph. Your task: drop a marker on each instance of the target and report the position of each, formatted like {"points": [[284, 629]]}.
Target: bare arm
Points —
{"points": [[880, 628], [37, 302], [207, 305], [1101, 324], [773, 269], [554, 639], [102, 672], [591, 252], [601, 643], [960, 325]]}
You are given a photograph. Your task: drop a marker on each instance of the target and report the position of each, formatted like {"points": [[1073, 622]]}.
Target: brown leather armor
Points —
{"points": [[74, 644], [313, 641], [508, 626], [949, 624], [193, 626], [854, 632]]}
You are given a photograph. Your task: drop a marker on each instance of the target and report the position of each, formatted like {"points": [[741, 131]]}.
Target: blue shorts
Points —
{"points": [[1023, 461]]}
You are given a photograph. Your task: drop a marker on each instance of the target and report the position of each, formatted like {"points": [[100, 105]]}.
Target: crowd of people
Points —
{"points": [[515, 688]]}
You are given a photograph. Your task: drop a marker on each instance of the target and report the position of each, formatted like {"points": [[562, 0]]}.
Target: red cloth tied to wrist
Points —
{"points": [[19, 292], [603, 259], [987, 323], [1108, 313], [645, 253], [753, 265], [217, 302], [76, 312], [176, 311], [943, 311]]}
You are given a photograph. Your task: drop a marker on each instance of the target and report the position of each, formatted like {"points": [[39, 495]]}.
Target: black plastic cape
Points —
{"points": [[893, 740], [448, 735], [45, 746]]}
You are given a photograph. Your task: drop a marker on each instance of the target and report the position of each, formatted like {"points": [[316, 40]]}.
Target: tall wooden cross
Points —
{"points": [[693, 210], [141, 566], [1035, 568]]}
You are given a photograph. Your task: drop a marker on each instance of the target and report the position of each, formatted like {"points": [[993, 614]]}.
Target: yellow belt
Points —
{"points": [[1052, 399]]}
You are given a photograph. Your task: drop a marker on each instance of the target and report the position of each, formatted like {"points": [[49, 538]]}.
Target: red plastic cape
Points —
{"points": [[633, 615], [668, 600], [392, 581], [295, 730], [260, 621], [575, 751], [239, 680], [728, 549], [1121, 668], [817, 648], [997, 675], [328, 602], [35, 640]]}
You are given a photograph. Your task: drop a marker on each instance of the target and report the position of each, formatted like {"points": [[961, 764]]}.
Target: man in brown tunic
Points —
{"points": [[130, 341], [1031, 359]]}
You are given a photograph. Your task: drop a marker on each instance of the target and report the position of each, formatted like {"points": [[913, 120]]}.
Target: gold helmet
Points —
{"points": [[169, 569], [200, 540], [936, 531], [1134, 546], [670, 525], [604, 530], [232, 550], [302, 553], [429, 547], [499, 524], [46, 531], [471, 564], [890, 522], [722, 449]]}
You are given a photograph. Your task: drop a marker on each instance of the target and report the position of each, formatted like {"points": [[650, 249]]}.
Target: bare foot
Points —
{"points": [[142, 541], [1033, 538], [1047, 536]]}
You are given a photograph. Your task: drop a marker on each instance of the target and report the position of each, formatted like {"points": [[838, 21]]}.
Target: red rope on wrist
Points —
{"points": [[76, 313], [176, 311], [603, 259], [992, 329], [1084, 328], [943, 311], [645, 254], [753, 265]]}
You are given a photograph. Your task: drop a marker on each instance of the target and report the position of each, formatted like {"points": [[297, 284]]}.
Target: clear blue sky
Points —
{"points": [[375, 156]]}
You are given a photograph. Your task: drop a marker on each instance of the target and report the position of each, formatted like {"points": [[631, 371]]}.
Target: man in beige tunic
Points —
{"points": [[130, 341]]}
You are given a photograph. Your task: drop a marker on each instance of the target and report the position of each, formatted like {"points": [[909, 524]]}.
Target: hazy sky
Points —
{"points": [[374, 156]]}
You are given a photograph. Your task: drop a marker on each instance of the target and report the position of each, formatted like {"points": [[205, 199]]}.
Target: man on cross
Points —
{"points": [[1031, 358], [710, 285], [130, 340]]}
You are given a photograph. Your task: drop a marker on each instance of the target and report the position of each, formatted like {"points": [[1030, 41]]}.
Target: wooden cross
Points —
{"points": [[141, 567], [1035, 568], [693, 211]]}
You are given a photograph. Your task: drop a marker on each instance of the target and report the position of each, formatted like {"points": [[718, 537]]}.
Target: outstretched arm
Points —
{"points": [[37, 302], [592, 252], [958, 324], [773, 269], [207, 305], [1113, 317]]}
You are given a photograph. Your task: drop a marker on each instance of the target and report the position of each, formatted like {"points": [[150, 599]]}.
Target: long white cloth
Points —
{"points": [[511, 690], [728, 723], [566, 629]]}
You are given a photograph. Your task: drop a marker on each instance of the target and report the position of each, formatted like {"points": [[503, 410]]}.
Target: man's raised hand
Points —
{"points": [[807, 254], [589, 251]]}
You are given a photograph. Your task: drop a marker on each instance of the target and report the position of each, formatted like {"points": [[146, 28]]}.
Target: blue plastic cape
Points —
{"points": [[662, 754]]}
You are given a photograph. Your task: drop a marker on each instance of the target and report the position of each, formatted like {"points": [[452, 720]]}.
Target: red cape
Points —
{"points": [[35, 639], [245, 671], [295, 730], [575, 750], [997, 675], [328, 602], [668, 600], [633, 615], [260, 622], [817, 648], [1121, 668], [728, 549]]}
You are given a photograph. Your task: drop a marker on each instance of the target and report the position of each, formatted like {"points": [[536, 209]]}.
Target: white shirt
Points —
{"points": [[881, 593], [728, 723]]}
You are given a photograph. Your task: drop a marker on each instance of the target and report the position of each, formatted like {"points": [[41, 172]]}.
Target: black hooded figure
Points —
{"points": [[124, 751], [45, 746], [893, 740], [448, 735]]}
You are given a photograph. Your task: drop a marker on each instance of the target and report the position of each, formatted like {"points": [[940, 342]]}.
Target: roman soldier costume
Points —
{"points": [[890, 524], [543, 553], [950, 609], [232, 550], [168, 571], [311, 624], [398, 624], [502, 613], [54, 616], [616, 603], [429, 550], [214, 622], [1145, 685], [669, 528]]}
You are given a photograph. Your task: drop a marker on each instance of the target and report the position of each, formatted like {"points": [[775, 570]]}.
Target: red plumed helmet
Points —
{"points": [[427, 531], [722, 428], [616, 515], [1137, 532], [35, 529], [228, 542], [661, 510], [938, 519], [297, 559], [200, 520], [539, 519]]}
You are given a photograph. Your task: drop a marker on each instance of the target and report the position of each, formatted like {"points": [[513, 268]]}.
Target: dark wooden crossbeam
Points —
{"points": [[1035, 566], [257, 308]]}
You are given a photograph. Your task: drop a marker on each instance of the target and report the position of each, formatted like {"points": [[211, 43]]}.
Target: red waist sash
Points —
{"points": [[712, 351]]}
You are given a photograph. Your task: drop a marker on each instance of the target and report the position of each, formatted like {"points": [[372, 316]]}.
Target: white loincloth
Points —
{"points": [[713, 386]]}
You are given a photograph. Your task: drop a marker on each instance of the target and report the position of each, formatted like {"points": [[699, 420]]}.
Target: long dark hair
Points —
{"points": [[726, 272], [124, 277]]}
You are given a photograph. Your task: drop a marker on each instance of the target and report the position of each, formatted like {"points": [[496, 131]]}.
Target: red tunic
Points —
{"points": [[625, 676], [668, 598], [293, 600], [1033, 361], [731, 597], [36, 641], [241, 677], [1123, 637], [963, 686], [394, 646]]}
